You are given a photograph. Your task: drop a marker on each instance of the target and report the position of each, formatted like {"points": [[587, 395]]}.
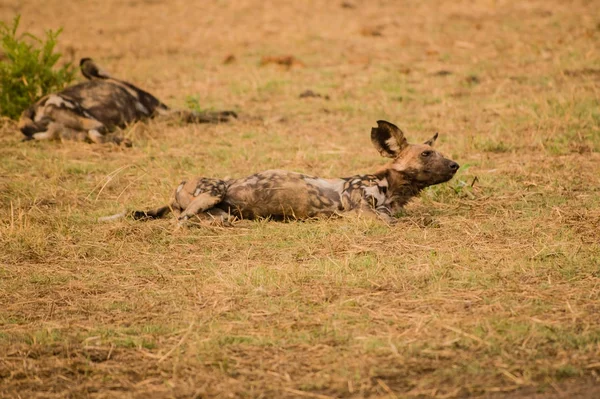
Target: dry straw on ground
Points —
{"points": [[488, 285]]}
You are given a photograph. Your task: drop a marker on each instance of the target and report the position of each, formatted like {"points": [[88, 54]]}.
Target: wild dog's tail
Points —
{"points": [[110, 218], [90, 70], [139, 215], [188, 116], [152, 214]]}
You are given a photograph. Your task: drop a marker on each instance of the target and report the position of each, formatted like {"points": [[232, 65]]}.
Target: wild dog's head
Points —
{"points": [[423, 165]]}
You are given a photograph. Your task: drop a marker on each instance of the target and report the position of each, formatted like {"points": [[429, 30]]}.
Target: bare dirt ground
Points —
{"points": [[487, 287]]}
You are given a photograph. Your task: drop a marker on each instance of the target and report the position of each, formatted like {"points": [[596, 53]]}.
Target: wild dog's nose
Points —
{"points": [[454, 166]]}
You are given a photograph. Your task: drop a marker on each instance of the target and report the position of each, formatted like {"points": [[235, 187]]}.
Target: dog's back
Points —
{"points": [[150, 104]]}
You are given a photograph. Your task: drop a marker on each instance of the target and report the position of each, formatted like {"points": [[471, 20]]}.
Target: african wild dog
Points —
{"points": [[280, 194], [91, 110]]}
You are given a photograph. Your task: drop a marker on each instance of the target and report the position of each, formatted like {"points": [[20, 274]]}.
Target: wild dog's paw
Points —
{"points": [[125, 142]]}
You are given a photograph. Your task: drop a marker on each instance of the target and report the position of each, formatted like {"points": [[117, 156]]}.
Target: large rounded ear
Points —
{"points": [[90, 70], [388, 139], [432, 140]]}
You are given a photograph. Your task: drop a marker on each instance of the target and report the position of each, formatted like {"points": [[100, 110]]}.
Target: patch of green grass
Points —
{"points": [[44, 337], [567, 371], [26, 70], [228, 340], [273, 87], [134, 342], [495, 146]]}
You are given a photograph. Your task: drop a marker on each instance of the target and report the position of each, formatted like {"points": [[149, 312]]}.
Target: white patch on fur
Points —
{"points": [[58, 101], [47, 135], [327, 184], [376, 193], [392, 144], [180, 188], [55, 100], [40, 114], [112, 217], [140, 107], [383, 183], [95, 136]]}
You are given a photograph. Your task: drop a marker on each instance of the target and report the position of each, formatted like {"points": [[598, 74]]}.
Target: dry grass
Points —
{"points": [[479, 290]]}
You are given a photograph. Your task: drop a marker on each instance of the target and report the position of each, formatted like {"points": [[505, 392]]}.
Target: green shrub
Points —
{"points": [[26, 69]]}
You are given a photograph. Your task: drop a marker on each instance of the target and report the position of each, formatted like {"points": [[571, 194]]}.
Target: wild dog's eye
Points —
{"points": [[425, 154]]}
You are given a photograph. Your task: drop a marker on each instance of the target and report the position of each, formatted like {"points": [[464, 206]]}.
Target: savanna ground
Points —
{"points": [[487, 286]]}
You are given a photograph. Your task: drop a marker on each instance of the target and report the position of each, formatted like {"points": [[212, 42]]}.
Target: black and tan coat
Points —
{"points": [[93, 109], [281, 194]]}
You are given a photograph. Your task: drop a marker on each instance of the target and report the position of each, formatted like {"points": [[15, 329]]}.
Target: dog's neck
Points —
{"points": [[402, 186]]}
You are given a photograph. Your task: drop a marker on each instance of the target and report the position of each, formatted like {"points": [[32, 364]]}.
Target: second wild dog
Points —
{"points": [[92, 110]]}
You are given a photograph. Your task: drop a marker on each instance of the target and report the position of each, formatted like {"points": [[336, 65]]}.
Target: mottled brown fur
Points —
{"points": [[93, 109], [280, 194]]}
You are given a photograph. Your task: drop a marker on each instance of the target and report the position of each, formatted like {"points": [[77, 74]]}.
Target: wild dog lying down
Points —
{"points": [[91, 110], [280, 194]]}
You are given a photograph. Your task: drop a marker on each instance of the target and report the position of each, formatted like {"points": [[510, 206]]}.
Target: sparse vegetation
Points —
{"points": [[27, 68], [488, 285]]}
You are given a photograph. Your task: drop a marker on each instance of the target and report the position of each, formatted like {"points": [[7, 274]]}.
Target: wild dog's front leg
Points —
{"points": [[380, 212], [357, 198], [52, 132], [198, 196], [384, 214]]}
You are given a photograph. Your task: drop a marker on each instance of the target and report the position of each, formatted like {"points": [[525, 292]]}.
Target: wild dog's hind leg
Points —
{"points": [[199, 195], [57, 131], [75, 119]]}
